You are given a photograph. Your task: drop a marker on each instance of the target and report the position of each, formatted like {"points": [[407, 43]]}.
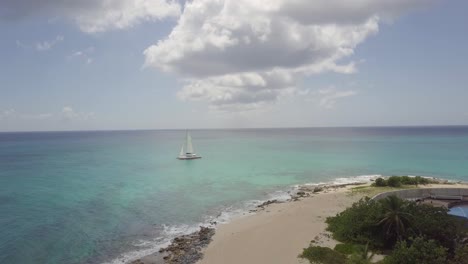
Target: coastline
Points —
{"points": [[273, 232]]}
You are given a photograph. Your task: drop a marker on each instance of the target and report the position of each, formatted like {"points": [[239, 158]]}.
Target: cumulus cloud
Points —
{"points": [[47, 45], [93, 15], [251, 52]]}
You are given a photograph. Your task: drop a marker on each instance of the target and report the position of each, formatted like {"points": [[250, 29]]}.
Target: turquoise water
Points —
{"points": [[92, 197]]}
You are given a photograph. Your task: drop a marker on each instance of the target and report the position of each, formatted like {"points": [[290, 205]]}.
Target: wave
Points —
{"points": [[169, 232]]}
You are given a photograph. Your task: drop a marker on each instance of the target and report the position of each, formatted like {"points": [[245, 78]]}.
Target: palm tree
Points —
{"points": [[395, 219]]}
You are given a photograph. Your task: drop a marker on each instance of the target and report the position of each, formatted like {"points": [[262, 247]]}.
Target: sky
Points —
{"points": [[164, 64]]}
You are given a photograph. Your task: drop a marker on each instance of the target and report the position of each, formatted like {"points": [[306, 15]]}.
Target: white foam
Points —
{"points": [[148, 247], [356, 179]]}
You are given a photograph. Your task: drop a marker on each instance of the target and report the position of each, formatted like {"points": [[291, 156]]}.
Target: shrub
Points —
{"points": [[358, 259], [461, 255], [369, 221], [421, 180], [434, 223], [394, 181], [358, 223], [380, 182], [323, 255], [418, 251], [406, 180], [348, 248]]}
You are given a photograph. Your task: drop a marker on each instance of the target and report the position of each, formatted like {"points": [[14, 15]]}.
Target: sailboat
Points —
{"points": [[187, 152]]}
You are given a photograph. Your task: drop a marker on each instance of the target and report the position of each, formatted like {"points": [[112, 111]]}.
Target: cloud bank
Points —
{"points": [[242, 54], [93, 16], [66, 114]]}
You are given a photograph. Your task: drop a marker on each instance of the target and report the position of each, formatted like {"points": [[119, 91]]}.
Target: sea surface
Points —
{"points": [[110, 196]]}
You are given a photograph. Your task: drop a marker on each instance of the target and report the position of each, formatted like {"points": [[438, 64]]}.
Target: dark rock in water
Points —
{"points": [[265, 204]]}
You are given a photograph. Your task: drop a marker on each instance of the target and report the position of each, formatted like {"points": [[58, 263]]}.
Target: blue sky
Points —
{"points": [[205, 65]]}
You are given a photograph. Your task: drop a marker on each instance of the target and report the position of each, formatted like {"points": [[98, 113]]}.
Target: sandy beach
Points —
{"points": [[278, 233]]}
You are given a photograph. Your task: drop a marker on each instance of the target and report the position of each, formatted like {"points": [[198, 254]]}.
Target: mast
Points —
{"points": [[189, 143]]}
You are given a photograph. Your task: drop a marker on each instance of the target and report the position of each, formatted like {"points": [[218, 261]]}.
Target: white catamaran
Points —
{"points": [[187, 152]]}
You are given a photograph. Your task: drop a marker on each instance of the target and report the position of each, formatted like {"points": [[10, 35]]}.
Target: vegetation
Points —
{"points": [[410, 232], [348, 248], [323, 255], [361, 256], [406, 231], [395, 219], [398, 181], [418, 251]]}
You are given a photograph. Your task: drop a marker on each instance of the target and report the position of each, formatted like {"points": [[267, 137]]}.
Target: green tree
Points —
{"points": [[461, 255], [418, 251], [362, 256], [380, 182], [357, 224], [394, 181], [435, 223], [395, 219]]}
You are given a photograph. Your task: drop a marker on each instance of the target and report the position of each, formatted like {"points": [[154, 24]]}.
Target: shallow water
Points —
{"points": [[90, 197]]}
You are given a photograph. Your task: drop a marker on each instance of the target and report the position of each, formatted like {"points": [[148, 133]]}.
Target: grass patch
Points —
{"points": [[373, 190]]}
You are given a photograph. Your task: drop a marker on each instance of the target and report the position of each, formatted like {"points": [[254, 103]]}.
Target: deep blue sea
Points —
{"points": [[94, 197]]}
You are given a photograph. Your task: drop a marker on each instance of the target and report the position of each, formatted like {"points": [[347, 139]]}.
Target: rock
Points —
{"points": [[186, 249], [265, 204], [318, 189]]}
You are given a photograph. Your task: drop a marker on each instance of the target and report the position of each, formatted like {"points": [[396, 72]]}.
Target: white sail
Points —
{"points": [[189, 144], [181, 151], [187, 152]]}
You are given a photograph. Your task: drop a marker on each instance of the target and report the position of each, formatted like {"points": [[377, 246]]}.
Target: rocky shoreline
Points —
{"points": [[185, 249]]}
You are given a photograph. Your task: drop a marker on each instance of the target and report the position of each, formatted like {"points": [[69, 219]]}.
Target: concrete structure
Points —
{"points": [[424, 193]]}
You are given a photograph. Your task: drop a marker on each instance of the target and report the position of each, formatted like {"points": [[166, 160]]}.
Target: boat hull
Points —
{"points": [[189, 158]]}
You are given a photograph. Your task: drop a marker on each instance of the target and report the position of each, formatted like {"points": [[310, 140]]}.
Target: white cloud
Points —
{"points": [[68, 114], [85, 55], [248, 53], [93, 15], [8, 113], [20, 44], [47, 45], [329, 97], [125, 14]]}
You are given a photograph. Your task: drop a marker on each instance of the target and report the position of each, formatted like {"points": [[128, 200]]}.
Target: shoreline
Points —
{"points": [[299, 219]]}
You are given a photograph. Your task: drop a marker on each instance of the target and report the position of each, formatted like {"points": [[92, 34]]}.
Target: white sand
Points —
{"points": [[279, 233]]}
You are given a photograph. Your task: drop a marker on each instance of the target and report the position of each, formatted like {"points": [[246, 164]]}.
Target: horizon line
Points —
{"points": [[239, 128]]}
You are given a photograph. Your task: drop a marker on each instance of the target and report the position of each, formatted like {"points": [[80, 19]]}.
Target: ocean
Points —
{"points": [[111, 196]]}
